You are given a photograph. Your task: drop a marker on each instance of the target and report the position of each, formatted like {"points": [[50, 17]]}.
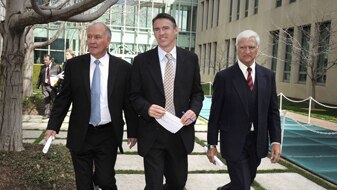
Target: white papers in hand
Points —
{"points": [[170, 122], [218, 162], [47, 145]]}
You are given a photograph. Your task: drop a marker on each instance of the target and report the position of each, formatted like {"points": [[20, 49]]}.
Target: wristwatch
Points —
{"points": [[211, 146]]}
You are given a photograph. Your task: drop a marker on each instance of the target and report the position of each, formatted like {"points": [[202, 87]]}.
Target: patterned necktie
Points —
{"points": [[95, 114], [250, 79], [169, 84]]}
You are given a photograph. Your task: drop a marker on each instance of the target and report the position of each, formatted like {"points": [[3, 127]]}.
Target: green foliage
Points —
{"points": [[206, 87], [36, 71], [34, 104], [31, 169]]}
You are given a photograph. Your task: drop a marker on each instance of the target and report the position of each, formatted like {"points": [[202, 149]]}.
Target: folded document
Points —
{"points": [[170, 122]]}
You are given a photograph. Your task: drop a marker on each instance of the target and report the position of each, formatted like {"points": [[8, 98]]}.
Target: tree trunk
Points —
{"points": [[28, 66], [11, 91], [313, 93]]}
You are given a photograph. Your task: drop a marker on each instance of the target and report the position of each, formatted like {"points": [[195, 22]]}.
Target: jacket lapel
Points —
{"points": [[240, 84], [86, 74], [180, 68], [113, 72], [261, 86], [154, 68]]}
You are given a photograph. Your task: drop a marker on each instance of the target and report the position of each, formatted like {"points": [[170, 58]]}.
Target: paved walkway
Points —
{"points": [[203, 175]]}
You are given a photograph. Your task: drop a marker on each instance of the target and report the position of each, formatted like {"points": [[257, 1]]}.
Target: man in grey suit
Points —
{"points": [[97, 85], [49, 87], [244, 109], [166, 79]]}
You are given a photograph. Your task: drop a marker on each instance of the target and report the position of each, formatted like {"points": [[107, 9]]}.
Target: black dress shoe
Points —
{"points": [[225, 187]]}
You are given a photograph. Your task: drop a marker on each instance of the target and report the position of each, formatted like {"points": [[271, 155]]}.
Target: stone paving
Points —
{"points": [[202, 176]]}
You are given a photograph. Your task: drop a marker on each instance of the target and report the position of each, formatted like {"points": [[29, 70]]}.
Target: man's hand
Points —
{"points": [[188, 118], [275, 153], [156, 111], [132, 142], [49, 133], [211, 152]]}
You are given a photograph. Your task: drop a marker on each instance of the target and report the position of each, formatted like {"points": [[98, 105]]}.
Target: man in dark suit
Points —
{"points": [[97, 85], [152, 94], [244, 109], [49, 87]]}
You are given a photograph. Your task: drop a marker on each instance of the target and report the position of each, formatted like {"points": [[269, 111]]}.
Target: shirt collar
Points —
{"points": [[103, 59], [162, 53], [243, 67]]}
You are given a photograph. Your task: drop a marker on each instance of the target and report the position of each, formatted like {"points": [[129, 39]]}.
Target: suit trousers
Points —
{"points": [[49, 94], [242, 172], [95, 162], [167, 157]]}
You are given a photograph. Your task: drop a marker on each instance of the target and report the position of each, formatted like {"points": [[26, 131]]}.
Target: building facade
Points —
{"points": [[131, 24], [298, 42]]}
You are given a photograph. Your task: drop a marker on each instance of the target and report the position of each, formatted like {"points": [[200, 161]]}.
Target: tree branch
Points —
{"points": [[65, 14], [52, 39], [92, 16]]}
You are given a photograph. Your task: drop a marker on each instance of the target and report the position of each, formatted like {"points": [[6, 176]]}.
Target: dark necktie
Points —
{"points": [[95, 114], [48, 76], [250, 79]]}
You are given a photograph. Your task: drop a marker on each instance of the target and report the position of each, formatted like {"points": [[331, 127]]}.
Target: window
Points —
{"points": [[246, 8], [323, 51], [304, 56], [278, 3], [206, 15], [238, 10], [230, 10], [204, 58], [234, 50], [202, 16], [218, 13], [288, 53], [227, 47], [213, 4], [183, 18], [292, 1], [209, 54], [256, 6], [275, 41], [215, 49]]}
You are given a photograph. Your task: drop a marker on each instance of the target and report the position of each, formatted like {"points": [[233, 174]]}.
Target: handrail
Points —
{"points": [[298, 101]]}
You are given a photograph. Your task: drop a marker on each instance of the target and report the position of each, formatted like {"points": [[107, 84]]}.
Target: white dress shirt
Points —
{"points": [[104, 69]]}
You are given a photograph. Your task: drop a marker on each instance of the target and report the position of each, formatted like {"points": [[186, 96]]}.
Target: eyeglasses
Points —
{"points": [[251, 48]]}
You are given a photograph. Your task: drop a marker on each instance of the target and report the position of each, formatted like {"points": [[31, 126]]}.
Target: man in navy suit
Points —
{"points": [[244, 109], [93, 143], [165, 153]]}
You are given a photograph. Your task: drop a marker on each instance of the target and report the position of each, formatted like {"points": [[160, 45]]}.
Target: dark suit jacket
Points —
{"points": [[229, 111], [76, 90], [54, 70], [147, 89]]}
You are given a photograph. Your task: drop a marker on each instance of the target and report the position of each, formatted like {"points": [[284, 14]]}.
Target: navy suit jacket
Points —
{"points": [[147, 89], [76, 90], [229, 111]]}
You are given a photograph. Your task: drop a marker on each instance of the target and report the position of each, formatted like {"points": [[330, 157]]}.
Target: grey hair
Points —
{"points": [[107, 29], [248, 34]]}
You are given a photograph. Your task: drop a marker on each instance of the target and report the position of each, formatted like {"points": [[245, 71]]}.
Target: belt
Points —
{"points": [[101, 126]]}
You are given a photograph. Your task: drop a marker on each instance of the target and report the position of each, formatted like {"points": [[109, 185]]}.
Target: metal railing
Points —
{"points": [[299, 101]]}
